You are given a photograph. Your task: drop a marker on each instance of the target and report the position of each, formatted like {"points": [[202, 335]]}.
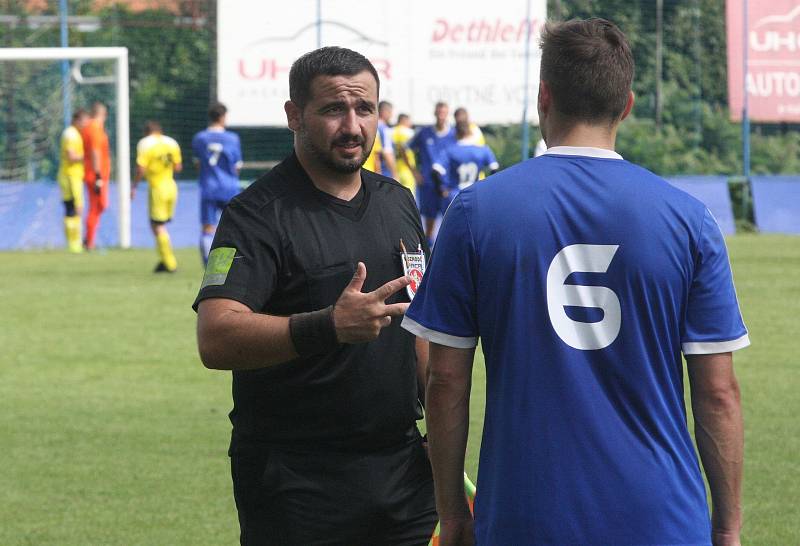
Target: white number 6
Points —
{"points": [[586, 336]]}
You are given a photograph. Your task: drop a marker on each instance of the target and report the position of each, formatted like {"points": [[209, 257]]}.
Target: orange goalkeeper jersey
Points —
{"points": [[95, 138]]}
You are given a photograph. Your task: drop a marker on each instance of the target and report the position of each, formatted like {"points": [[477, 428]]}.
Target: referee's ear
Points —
{"points": [[293, 115]]}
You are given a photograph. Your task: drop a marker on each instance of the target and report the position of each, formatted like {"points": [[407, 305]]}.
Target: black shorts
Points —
{"points": [[301, 497]]}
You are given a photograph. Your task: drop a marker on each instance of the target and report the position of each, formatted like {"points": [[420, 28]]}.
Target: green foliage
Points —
{"points": [[169, 66]]}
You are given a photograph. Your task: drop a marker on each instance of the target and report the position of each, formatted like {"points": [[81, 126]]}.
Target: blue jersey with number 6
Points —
{"points": [[585, 278], [220, 156]]}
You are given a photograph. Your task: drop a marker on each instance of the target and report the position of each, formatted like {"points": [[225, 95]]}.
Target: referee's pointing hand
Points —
{"points": [[359, 316]]}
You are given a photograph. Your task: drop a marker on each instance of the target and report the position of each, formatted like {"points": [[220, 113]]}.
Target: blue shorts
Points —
{"points": [[211, 210], [430, 202]]}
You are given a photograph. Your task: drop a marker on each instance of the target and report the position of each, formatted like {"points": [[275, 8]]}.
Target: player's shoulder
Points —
{"points": [[71, 133], [231, 136], [170, 141], [145, 143], [661, 185]]}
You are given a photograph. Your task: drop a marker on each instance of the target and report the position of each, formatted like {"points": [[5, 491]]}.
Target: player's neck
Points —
{"points": [[216, 127], [583, 136], [343, 186]]}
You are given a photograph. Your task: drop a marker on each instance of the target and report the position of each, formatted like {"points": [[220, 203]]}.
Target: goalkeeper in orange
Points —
{"points": [[70, 179], [157, 158], [97, 169]]}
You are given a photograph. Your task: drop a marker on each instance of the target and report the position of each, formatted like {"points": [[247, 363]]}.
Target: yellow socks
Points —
{"points": [[72, 230], [165, 251]]}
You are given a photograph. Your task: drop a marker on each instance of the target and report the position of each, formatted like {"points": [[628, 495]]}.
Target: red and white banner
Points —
{"points": [[773, 64], [465, 53]]}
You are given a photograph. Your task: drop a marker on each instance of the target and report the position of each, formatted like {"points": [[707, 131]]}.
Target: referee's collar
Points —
{"points": [[584, 151]]}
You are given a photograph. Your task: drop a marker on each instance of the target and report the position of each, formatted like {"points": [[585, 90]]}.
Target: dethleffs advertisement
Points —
{"points": [[464, 53], [773, 60]]}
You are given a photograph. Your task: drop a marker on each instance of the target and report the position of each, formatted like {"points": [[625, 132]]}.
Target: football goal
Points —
{"points": [[31, 89]]}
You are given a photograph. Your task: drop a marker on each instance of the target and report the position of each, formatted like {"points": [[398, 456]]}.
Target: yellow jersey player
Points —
{"points": [[70, 179], [373, 162], [406, 162], [157, 158]]}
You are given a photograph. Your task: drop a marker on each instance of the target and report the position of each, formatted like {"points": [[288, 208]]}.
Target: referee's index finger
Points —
{"points": [[391, 287]]}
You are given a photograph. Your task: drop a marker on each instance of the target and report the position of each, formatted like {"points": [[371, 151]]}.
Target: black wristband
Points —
{"points": [[313, 333]]}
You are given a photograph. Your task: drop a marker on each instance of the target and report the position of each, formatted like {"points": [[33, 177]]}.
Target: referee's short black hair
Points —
{"points": [[325, 61], [589, 67]]}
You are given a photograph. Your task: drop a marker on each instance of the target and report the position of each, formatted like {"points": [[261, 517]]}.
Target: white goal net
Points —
{"points": [[32, 112]]}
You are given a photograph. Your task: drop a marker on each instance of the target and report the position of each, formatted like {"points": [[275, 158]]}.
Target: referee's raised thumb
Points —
{"points": [[357, 282]]}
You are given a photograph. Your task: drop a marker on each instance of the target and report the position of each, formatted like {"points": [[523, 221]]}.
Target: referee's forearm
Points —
{"points": [[447, 418], [230, 339]]}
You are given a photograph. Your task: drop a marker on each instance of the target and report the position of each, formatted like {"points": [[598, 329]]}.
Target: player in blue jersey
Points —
{"points": [[585, 278], [427, 144], [385, 134], [461, 163], [219, 153]]}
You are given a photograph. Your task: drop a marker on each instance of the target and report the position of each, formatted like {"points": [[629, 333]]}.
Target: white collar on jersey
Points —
{"points": [[585, 151]]}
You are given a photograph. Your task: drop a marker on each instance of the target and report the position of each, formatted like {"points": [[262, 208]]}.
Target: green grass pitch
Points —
{"points": [[113, 433]]}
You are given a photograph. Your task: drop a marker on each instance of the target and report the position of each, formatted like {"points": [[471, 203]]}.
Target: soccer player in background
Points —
{"points": [[585, 277], [427, 144], [97, 169], [219, 153], [388, 160], [373, 162], [158, 157], [461, 164], [402, 133], [474, 134], [70, 179]]}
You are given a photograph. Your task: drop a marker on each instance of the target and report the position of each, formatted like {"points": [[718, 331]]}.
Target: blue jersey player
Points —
{"points": [[428, 144], [219, 153], [460, 164], [586, 278]]}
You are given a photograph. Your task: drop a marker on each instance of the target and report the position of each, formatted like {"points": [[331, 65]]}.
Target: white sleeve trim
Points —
{"points": [[441, 338], [439, 169], [712, 347]]}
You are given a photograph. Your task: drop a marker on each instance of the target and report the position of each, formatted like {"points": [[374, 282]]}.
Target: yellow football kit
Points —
{"points": [[70, 179], [405, 157], [70, 173], [370, 163], [156, 155]]}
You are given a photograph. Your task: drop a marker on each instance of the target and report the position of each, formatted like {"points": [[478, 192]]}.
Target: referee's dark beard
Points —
{"points": [[326, 158]]}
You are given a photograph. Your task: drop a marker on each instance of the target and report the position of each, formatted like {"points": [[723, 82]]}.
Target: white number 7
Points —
{"points": [[216, 150], [586, 336]]}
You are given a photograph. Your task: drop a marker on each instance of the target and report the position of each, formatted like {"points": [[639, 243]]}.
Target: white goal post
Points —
{"points": [[120, 55]]}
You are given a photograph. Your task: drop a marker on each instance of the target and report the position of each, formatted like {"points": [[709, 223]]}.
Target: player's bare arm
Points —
{"points": [[717, 410], [422, 348], [230, 336], [137, 177], [447, 418]]}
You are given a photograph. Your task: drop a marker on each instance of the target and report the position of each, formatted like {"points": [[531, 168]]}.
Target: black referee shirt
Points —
{"points": [[296, 248]]}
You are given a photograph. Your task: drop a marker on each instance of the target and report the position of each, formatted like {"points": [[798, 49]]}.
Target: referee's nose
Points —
{"points": [[351, 124]]}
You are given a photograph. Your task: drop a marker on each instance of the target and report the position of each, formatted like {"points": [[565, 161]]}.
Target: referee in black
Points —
{"points": [[301, 299]]}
